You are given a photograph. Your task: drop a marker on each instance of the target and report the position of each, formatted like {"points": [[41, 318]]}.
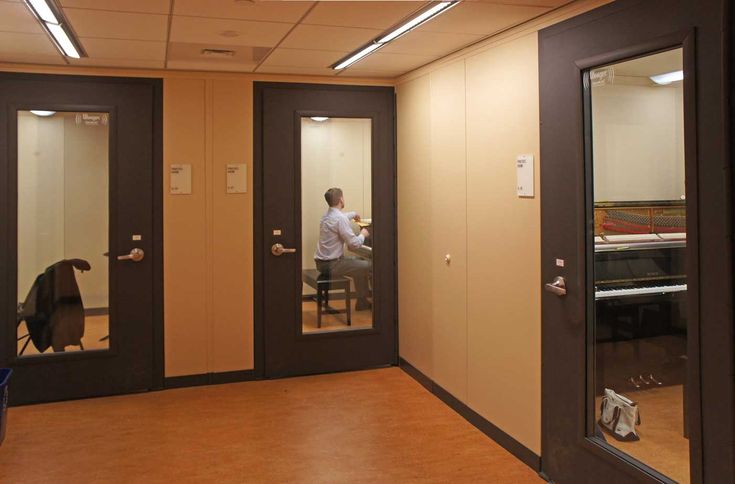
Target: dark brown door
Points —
{"points": [[80, 234], [338, 312], [636, 219]]}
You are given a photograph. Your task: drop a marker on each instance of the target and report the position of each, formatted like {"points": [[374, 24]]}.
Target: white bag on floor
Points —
{"points": [[619, 415]]}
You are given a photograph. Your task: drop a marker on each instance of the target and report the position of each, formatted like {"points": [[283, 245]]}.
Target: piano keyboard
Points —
{"points": [[639, 291]]}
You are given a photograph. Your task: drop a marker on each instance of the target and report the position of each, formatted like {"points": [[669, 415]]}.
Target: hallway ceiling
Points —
{"points": [[278, 37]]}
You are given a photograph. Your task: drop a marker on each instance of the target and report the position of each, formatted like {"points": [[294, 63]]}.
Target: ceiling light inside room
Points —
{"points": [[52, 20], [42, 113], [668, 78], [319, 119], [394, 33]]}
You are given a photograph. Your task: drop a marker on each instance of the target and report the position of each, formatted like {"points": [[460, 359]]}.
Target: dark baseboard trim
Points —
{"points": [[523, 453], [209, 379]]}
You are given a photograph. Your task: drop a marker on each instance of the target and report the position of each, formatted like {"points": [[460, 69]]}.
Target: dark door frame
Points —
{"points": [[260, 242], [9, 220], [611, 33]]}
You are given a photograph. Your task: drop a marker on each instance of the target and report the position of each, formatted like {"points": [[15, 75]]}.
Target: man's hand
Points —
{"points": [[356, 218], [365, 233]]}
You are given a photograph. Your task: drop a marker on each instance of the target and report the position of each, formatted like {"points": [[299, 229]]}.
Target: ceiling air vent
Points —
{"points": [[220, 53]]}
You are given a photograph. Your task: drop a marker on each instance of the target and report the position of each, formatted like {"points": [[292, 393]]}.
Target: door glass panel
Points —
{"points": [[336, 224], [639, 325], [62, 232]]}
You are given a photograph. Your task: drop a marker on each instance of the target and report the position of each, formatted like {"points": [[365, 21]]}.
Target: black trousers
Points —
{"points": [[356, 269]]}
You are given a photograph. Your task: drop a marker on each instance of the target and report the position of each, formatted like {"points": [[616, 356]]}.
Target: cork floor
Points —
{"points": [[370, 426]]}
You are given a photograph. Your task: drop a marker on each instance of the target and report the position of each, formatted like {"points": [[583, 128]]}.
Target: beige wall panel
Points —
{"points": [[232, 228], [185, 269], [448, 212], [504, 313], [414, 224]]}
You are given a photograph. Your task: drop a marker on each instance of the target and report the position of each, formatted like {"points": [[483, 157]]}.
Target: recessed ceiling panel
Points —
{"points": [[375, 15], [527, 3], [211, 66], [371, 74], [124, 49], [117, 25], [344, 39], [481, 18], [301, 71], [385, 61], [136, 6], [14, 43], [196, 30], [225, 57], [288, 12], [122, 63], [15, 17], [302, 58]]}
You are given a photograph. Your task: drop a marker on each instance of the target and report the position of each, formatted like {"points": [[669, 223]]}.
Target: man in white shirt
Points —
{"points": [[334, 232]]}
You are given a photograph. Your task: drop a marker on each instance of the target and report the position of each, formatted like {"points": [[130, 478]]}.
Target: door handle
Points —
{"points": [[135, 255], [278, 249], [558, 286]]}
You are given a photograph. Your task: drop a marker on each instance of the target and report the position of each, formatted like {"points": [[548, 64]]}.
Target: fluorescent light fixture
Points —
{"points": [[43, 11], [405, 27], [64, 41], [668, 78], [41, 113], [416, 21], [362, 53], [319, 119]]}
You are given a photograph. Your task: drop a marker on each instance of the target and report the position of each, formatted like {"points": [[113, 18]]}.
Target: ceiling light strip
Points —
{"points": [[394, 33], [53, 21]]}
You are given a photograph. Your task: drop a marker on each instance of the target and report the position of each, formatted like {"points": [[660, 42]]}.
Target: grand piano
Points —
{"points": [[640, 311]]}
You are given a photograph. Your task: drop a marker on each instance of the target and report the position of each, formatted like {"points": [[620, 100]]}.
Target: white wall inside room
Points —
{"points": [[63, 200], [334, 153], [638, 133]]}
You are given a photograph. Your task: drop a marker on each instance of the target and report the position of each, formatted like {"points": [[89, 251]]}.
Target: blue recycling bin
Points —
{"points": [[4, 380]]}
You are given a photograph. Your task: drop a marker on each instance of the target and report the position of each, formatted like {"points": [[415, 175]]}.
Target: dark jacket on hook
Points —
{"points": [[53, 310]]}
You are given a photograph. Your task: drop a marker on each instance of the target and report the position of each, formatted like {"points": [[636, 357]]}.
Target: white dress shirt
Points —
{"points": [[334, 232]]}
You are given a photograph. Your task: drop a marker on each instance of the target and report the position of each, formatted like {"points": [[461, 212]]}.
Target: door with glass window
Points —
{"points": [[80, 235], [325, 228], [636, 246]]}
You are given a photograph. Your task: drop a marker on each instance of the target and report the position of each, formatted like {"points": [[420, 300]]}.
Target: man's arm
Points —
{"points": [[348, 237]]}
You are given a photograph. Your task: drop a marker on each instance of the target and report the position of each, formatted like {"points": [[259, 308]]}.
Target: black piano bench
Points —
{"points": [[323, 283]]}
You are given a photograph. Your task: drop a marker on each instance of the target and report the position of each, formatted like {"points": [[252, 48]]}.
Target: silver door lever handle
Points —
{"points": [[135, 255], [558, 286], [278, 249]]}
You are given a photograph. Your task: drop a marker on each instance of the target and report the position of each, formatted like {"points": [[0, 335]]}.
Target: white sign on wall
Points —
{"points": [[524, 169], [180, 179], [237, 178]]}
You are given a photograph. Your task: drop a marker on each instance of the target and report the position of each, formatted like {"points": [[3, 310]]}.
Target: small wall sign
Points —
{"points": [[524, 169], [180, 179], [237, 178]]}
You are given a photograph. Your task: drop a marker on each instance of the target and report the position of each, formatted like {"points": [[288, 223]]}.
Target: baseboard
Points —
{"points": [[523, 453], [209, 379]]}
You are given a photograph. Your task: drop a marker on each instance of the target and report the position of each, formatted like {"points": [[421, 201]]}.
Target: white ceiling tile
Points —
{"points": [[527, 3], [303, 71], [139, 6], [302, 58], [195, 30], [15, 17], [124, 49], [14, 43], [316, 37], [376, 15], [244, 58], [203, 65], [430, 43], [124, 63], [282, 11], [367, 73], [481, 18], [385, 61], [33, 59], [117, 25]]}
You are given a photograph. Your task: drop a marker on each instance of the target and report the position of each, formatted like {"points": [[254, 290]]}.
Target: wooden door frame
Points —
{"points": [[7, 245], [707, 153], [259, 235]]}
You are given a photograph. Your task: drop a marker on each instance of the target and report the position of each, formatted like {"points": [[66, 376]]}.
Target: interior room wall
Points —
{"points": [[649, 165], [473, 325], [334, 153], [62, 167]]}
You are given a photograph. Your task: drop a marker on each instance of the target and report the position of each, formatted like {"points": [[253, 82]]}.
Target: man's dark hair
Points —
{"points": [[332, 196]]}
